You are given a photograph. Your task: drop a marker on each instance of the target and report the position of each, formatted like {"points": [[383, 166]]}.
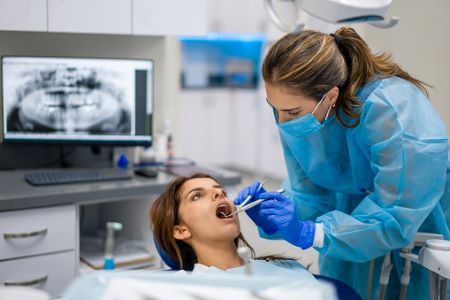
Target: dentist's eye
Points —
{"points": [[293, 113]]}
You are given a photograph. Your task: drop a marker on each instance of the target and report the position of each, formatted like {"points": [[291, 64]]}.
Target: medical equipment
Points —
{"points": [[244, 207], [434, 256], [109, 244], [373, 12], [74, 100]]}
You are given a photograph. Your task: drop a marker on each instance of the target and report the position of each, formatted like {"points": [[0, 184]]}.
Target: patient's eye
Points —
{"points": [[196, 196]]}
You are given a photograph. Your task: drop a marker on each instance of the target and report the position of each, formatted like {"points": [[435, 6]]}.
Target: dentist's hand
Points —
{"points": [[281, 212], [253, 212]]}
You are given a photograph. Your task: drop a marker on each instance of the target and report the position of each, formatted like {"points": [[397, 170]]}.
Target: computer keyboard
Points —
{"points": [[50, 177]]}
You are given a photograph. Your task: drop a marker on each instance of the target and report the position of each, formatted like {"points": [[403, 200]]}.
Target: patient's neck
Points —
{"points": [[220, 255]]}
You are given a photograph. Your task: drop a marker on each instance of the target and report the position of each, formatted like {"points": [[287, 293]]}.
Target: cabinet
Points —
{"points": [[230, 128], [51, 272], [169, 17], [237, 16], [88, 16], [204, 126], [139, 17], [24, 15], [36, 244]]}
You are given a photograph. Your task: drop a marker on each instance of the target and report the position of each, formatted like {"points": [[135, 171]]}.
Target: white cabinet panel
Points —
{"points": [[37, 231], [169, 17], [90, 16], [204, 126], [25, 15], [52, 273], [245, 128], [272, 157], [237, 16]]}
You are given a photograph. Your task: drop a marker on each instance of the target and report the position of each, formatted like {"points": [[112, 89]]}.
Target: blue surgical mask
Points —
{"points": [[303, 126]]}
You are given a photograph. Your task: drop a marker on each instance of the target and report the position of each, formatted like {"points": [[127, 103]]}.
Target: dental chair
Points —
{"points": [[343, 291]]}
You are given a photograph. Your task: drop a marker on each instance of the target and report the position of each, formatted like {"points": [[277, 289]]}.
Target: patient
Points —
{"points": [[190, 225]]}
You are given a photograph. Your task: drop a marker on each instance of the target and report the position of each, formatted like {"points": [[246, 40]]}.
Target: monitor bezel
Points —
{"points": [[61, 141]]}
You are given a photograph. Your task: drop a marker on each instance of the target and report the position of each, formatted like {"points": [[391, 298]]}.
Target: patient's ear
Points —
{"points": [[181, 232]]}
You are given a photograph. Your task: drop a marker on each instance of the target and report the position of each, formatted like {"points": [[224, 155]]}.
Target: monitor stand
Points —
{"points": [[28, 156]]}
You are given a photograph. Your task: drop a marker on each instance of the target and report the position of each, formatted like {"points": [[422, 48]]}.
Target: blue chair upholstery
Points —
{"points": [[169, 261]]}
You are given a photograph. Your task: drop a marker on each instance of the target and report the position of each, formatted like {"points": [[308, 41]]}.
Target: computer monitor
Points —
{"points": [[77, 100]]}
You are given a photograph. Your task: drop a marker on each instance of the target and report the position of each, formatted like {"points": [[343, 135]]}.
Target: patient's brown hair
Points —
{"points": [[164, 216]]}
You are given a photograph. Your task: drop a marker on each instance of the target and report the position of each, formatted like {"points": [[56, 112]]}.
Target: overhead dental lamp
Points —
{"points": [[373, 12]]}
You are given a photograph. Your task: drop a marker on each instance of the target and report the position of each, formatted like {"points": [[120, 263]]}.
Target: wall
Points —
{"points": [[163, 50], [420, 43]]}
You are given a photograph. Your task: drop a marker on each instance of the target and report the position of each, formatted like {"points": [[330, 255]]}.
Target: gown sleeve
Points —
{"points": [[407, 148]]}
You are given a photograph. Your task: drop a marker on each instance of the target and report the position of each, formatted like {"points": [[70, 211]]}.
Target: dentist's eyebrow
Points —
{"points": [[286, 110]]}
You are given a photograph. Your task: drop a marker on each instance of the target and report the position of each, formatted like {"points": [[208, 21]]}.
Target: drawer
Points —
{"points": [[37, 231], [51, 272]]}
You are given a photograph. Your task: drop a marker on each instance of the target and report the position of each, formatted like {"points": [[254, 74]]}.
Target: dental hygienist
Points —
{"points": [[366, 154]]}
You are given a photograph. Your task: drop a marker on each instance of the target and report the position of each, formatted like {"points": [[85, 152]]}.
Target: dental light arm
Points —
{"points": [[373, 12]]}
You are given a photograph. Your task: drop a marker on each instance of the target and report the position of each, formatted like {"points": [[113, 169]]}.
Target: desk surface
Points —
{"points": [[16, 193]]}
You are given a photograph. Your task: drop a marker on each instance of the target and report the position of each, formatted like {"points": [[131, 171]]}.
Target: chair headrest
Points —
{"points": [[169, 261]]}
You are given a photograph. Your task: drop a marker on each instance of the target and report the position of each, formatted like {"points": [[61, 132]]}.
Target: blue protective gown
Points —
{"points": [[374, 186]]}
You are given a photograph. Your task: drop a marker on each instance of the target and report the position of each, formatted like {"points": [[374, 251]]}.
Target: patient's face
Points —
{"points": [[203, 203]]}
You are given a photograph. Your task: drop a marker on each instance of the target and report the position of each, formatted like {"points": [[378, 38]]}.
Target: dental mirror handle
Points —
{"points": [[241, 209], [249, 197]]}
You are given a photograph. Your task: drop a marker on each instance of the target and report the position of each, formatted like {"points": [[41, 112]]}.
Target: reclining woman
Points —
{"points": [[190, 226]]}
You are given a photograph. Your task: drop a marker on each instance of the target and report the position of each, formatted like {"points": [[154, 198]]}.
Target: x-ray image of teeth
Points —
{"points": [[69, 99]]}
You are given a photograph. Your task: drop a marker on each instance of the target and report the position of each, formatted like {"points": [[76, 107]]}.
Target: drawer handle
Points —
{"points": [[27, 282], [24, 234]]}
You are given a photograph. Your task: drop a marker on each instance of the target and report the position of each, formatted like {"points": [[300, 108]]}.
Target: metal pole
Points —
{"points": [[432, 285], [369, 279], [443, 288]]}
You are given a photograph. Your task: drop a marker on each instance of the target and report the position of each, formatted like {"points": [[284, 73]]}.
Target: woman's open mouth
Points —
{"points": [[224, 210]]}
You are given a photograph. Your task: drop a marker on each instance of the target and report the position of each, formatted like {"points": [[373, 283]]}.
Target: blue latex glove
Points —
{"points": [[280, 211], [253, 212]]}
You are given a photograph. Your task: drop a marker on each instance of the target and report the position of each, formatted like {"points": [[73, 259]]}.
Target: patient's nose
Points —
{"points": [[218, 195]]}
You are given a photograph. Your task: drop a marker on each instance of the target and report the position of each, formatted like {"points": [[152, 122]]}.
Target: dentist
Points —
{"points": [[366, 154]]}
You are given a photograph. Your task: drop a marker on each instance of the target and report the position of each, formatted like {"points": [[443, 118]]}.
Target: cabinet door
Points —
{"points": [[90, 16], [52, 273], [169, 17], [25, 15], [245, 126], [36, 231], [237, 16], [204, 126], [271, 152]]}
